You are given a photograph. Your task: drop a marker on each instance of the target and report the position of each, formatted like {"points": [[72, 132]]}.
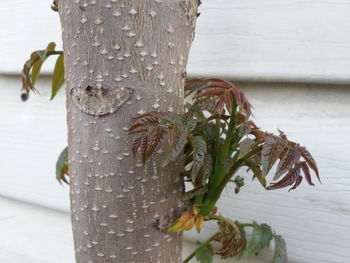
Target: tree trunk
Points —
{"points": [[123, 58]]}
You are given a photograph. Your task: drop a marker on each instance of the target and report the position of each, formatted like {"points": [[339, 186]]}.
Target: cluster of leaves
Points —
{"points": [[32, 67], [214, 138]]}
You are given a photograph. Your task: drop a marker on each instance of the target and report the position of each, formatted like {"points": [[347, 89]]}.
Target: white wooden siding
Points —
{"points": [[285, 40], [314, 220]]}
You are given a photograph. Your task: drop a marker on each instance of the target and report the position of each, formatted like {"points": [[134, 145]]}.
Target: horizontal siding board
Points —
{"points": [[31, 234], [314, 220], [32, 136], [271, 40]]}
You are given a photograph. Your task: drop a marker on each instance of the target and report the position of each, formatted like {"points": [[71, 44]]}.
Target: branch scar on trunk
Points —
{"points": [[98, 101]]}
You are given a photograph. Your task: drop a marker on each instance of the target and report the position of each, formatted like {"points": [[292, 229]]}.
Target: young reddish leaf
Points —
{"points": [[194, 85], [255, 130], [177, 142], [144, 147], [297, 183], [200, 84], [306, 172], [288, 180], [135, 145], [272, 148], [222, 92], [155, 141], [290, 158], [310, 161], [149, 130], [244, 103], [138, 130]]}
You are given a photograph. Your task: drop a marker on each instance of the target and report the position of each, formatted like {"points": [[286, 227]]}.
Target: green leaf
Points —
{"points": [[190, 125], [243, 234], [206, 170], [204, 254], [36, 70], [280, 255], [57, 76], [199, 151], [33, 65], [256, 172], [261, 238], [62, 166], [43, 56]]}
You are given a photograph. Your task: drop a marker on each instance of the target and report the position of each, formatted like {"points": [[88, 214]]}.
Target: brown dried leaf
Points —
{"points": [[185, 222], [232, 242]]}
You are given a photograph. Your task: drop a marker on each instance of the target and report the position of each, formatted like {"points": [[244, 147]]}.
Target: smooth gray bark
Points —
{"points": [[123, 58]]}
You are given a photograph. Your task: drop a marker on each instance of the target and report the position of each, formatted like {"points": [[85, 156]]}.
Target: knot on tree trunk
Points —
{"points": [[165, 221]]}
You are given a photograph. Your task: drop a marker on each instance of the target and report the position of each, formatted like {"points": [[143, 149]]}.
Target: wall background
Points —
{"points": [[292, 59]]}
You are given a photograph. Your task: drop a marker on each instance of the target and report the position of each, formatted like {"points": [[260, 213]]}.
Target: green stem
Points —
{"points": [[200, 246], [223, 151], [214, 196]]}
